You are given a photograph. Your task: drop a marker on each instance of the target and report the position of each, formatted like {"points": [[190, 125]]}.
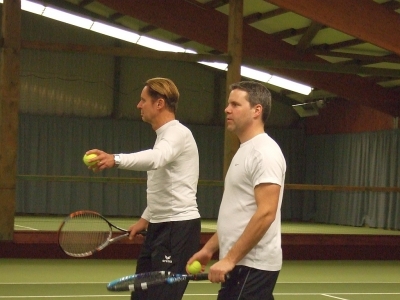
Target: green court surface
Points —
{"points": [[80, 279], [52, 223]]}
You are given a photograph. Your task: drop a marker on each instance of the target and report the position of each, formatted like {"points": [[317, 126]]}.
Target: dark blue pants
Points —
{"points": [[167, 247], [247, 283]]}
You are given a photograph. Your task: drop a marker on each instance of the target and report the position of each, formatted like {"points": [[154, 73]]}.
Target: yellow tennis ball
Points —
{"points": [[194, 267], [86, 159]]}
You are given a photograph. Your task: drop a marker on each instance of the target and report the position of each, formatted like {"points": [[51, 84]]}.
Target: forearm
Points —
{"points": [[211, 246], [140, 161]]}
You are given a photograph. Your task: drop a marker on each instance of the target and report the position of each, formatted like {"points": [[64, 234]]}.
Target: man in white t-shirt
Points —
{"points": [[248, 233], [171, 218]]}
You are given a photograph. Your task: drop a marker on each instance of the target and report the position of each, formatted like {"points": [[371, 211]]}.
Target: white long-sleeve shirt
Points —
{"points": [[172, 174]]}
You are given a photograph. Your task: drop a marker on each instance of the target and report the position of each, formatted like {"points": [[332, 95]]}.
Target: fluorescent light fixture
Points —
{"points": [[254, 74], [264, 77], [215, 65], [305, 110], [290, 85], [115, 32], [144, 41], [65, 17], [31, 7], [158, 45], [190, 51]]}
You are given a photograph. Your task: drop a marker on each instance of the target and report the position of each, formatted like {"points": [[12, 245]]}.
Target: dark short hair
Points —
{"points": [[257, 93], [164, 88]]}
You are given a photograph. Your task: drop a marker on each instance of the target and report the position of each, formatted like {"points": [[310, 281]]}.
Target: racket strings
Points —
{"points": [[82, 234]]}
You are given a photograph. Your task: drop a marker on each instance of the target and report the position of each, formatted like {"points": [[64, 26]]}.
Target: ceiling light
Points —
{"points": [[254, 74], [216, 65], [290, 85], [115, 32], [129, 36], [158, 45], [309, 109], [68, 18], [190, 51], [31, 7]]}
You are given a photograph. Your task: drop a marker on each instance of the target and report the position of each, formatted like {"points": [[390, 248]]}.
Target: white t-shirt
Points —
{"points": [[259, 160], [172, 174]]}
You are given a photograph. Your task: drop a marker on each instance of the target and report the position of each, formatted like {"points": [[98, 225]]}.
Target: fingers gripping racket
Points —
{"points": [[85, 232], [143, 281]]}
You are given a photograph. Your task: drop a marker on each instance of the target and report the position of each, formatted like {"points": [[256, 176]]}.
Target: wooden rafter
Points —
{"points": [[198, 24], [359, 18], [308, 36], [263, 16]]}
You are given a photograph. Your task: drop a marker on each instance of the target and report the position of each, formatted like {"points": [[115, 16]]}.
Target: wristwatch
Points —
{"points": [[117, 160]]}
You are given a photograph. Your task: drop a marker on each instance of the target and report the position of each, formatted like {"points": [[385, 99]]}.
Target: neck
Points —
{"points": [[163, 119], [250, 133]]}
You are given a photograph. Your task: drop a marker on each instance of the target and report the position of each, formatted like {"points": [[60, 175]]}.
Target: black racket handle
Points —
{"points": [[142, 232], [204, 276], [199, 276]]}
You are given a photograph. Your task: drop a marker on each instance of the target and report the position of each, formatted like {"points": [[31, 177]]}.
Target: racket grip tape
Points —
{"points": [[199, 276]]}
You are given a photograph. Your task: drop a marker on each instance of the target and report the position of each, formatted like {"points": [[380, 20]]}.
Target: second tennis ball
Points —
{"points": [[194, 267], [86, 159]]}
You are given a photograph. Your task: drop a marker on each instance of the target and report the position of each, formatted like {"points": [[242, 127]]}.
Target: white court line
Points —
{"points": [[25, 227], [49, 283], [86, 296], [340, 282], [327, 294], [333, 297], [197, 282], [124, 295], [67, 296], [80, 282]]}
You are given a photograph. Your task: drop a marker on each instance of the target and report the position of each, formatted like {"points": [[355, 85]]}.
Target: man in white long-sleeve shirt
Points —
{"points": [[171, 217]]}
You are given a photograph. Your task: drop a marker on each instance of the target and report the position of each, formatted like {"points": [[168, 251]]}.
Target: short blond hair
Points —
{"points": [[164, 88]]}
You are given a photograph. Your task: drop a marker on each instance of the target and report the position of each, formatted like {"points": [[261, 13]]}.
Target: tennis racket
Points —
{"points": [[143, 281], [85, 232]]}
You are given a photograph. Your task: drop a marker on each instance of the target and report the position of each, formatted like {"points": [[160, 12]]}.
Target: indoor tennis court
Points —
{"points": [[67, 89], [80, 279], [74, 278]]}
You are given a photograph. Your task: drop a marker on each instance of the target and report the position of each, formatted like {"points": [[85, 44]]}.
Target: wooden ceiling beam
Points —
{"points": [[216, 3], [199, 24], [308, 36], [345, 44], [287, 33], [263, 16], [392, 5], [85, 2], [361, 57], [359, 18], [138, 51], [337, 68]]}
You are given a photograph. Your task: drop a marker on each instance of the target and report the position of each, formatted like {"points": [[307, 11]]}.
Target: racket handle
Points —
{"points": [[204, 276], [142, 232], [199, 276]]}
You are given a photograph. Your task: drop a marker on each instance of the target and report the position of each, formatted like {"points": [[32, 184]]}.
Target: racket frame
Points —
{"points": [[137, 282], [107, 242]]}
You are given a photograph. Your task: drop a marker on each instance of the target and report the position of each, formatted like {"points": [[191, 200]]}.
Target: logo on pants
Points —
{"points": [[167, 259]]}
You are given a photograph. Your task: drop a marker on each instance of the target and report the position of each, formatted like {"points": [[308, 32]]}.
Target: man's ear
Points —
{"points": [[257, 110], [160, 103]]}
